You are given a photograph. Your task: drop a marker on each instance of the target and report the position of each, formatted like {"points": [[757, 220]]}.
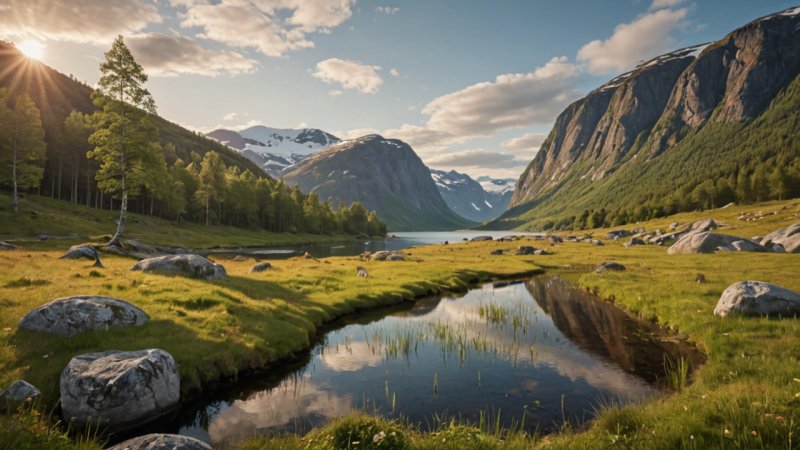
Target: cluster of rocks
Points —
{"points": [[523, 250], [757, 215], [386, 255]]}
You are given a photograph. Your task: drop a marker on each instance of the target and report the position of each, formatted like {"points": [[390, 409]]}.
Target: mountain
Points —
{"points": [[56, 95], [498, 190], [468, 198], [690, 129], [275, 150], [383, 174]]}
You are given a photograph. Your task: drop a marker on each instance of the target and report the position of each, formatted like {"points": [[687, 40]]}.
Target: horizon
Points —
{"points": [[483, 116]]}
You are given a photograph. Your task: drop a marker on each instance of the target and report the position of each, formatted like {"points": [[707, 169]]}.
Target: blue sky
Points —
{"points": [[473, 85]]}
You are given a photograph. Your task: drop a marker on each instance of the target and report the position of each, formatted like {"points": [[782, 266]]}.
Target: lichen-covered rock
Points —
{"points": [[118, 389], [756, 298], [710, 243], [69, 316], [788, 238], [610, 266], [159, 441], [260, 267], [192, 266]]}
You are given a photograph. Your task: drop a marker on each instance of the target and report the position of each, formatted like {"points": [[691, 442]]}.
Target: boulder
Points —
{"points": [[118, 389], [133, 248], [610, 266], [541, 252], [158, 441], [18, 392], [525, 250], [674, 226], [634, 241], [617, 234], [496, 252], [788, 238], [597, 242], [192, 266], [702, 226], [7, 246], [555, 239], [710, 243], [83, 252], [756, 298], [481, 238], [380, 256], [395, 257], [260, 267], [69, 316]]}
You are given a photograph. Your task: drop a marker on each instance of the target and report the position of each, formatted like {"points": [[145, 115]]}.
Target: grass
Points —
{"points": [[744, 397], [66, 224]]}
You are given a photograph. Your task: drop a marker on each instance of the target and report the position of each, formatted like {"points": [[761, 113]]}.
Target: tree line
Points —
{"points": [[112, 159]]}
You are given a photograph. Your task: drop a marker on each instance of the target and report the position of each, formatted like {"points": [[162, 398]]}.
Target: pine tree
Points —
{"points": [[23, 146], [124, 136], [211, 181], [779, 183]]}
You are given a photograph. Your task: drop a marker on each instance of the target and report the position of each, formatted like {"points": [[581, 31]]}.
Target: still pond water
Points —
{"points": [[541, 350]]}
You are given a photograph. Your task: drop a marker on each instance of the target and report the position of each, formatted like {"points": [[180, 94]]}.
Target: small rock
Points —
{"points": [[83, 252], [541, 252], [756, 298], [618, 234], [525, 250], [396, 257], [308, 255], [496, 252], [7, 246], [597, 242], [610, 266], [260, 267], [159, 441], [555, 239], [362, 272], [18, 392], [481, 238], [69, 316], [119, 389], [187, 265]]}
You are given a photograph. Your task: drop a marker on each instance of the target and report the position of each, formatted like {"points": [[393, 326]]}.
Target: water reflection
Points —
{"points": [[541, 349]]}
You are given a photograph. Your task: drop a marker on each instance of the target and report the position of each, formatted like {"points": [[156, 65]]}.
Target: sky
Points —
{"points": [[473, 86]]}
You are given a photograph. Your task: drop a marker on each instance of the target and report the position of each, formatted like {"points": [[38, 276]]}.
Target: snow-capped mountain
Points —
{"points": [[469, 198], [273, 149]]}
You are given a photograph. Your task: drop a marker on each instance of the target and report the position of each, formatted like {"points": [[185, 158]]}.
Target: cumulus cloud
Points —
{"points": [[527, 141], [645, 37], [387, 10], [76, 20], [334, 92], [393, 72], [231, 116], [273, 27], [169, 55], [349, 74], [480, 161], [661, 4]]}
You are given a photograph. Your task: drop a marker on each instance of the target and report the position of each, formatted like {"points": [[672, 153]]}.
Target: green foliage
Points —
{"points": [[22, 146], [363, 432]]}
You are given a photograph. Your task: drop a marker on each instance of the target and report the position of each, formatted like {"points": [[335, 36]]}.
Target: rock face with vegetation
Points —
{"points": [[74, 315], [118, 389], [159, 441], [756, 298], [707, 242], [788, 238], [696, 128], [192, 266], [384, 175]]}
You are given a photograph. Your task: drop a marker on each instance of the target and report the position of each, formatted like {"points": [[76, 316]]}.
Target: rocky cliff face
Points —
{"points": [[468, 198], [383, 174], [655, 105]]}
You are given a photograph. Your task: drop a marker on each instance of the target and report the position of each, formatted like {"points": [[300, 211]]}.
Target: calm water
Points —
{"points": [[542, 350], [400, 241]]}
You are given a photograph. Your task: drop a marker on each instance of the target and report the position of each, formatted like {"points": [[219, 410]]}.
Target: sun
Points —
{"points": [[32, 49]]}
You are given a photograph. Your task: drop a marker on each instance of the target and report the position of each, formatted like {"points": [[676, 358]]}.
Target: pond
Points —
{"points": [[536, 354], [397, 241]]}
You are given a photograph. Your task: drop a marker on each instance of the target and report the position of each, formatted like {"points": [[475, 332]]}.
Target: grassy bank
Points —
{"points": [[744, 397], [65, 223]]}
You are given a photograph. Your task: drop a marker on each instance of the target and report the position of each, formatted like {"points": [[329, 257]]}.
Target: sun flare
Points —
{"points": [[32, 49]]}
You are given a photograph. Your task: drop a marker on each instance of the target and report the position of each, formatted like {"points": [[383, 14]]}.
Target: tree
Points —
{"points": [[779, 183], [211, 180], [77, 129], [23, 147], [124, 135]]}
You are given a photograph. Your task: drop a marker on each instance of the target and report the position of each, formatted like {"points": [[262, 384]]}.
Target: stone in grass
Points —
{"points": [[260, 267], [610, 266], [83, 252], [187, 265], [119, 389], [756, 298], [525, 250], [7, 246], [69, 316], [19, 391], [159, 441], [496, 251]]}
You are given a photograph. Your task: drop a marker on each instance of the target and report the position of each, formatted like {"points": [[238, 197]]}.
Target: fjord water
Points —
{"points": [[535, 353]]}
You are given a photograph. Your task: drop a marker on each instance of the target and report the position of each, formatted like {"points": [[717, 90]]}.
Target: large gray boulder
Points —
{"points": [[192, 266], [18, 392], [756, 298], [118, 389], [83, 252], [481, 238], [702, 226], [260, 267], [69, 316], [710, 243], [612, 266], [788, 238], [159, 441]]}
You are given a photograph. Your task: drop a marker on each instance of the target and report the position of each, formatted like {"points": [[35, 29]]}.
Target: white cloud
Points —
{"points": [[528, 141], [273, 27], [661, 4], [393, 72], [355, 133], [231, 116], [169, 55], [387, 10], [645, 37], [76, 20], [481, 162], [349, 74], [334, 92]]}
